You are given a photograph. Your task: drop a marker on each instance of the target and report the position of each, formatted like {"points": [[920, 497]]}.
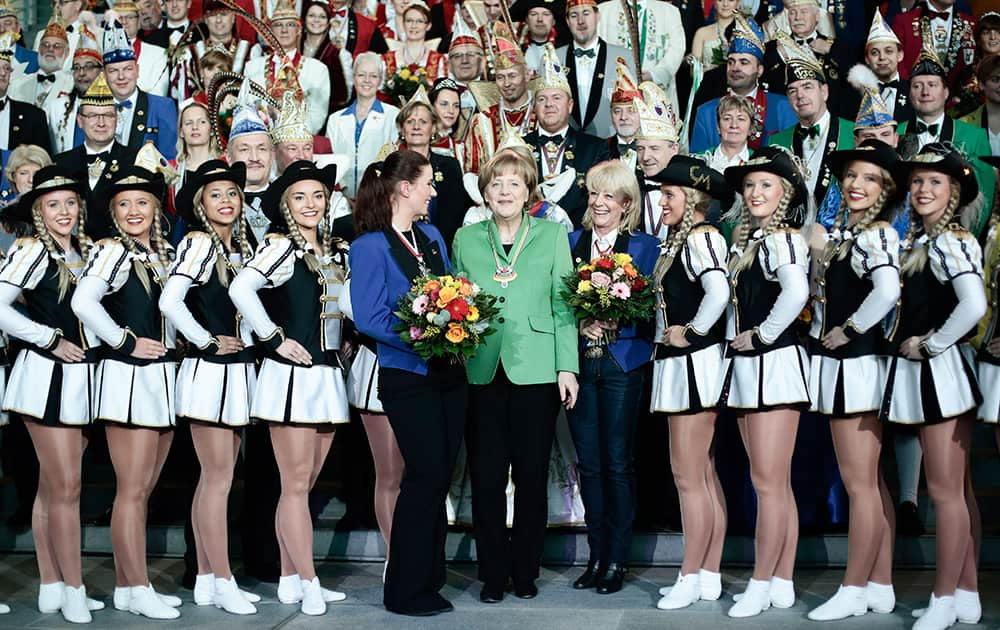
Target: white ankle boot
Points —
{"points": [[290, 591], [782, 592], [143, 600], [849, 601], [939, 615], [710, 584], [312, 598], [968, 608], [881, 598], [122, 594], [4, 609], [755, 600], [685, 591], [204, 589], [228, 597], [74, 605], [50, 597]]}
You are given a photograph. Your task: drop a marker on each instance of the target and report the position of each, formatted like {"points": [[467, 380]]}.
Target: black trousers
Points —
{"points": [[511, 427], [427, 414]]}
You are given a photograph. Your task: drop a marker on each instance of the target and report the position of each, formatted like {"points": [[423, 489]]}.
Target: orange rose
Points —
{"points": [[431, 285], [456, 334], [465, 288], [630, 271]]}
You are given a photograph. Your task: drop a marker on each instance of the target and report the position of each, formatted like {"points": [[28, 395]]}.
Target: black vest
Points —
{"points": [[212, 308], [925, 304], [133, 307], [43, 306], [754, 297], [843, 293], [678, 299]]}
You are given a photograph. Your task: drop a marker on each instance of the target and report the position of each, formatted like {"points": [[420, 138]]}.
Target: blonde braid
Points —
{"points": [[66, 276], [140, 269], [694, 200], [916, 260], [294, 233], [246, 252], [162, 246]]}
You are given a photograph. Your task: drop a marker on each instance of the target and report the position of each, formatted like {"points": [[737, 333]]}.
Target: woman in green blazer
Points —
{"points": [[519, 376]]}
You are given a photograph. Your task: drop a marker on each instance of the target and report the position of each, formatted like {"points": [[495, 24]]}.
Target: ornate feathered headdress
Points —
{"points": [[873, 111], [657, 120], [626, 89]]}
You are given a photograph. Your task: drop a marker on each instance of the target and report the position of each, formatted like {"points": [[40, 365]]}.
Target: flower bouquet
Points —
{"points": [[608, 288], [403, 85], [445, 317]]}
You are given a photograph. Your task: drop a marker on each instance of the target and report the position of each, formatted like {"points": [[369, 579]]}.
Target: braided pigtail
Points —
{"points": [[140, 269], [917, 258], [66, 277], [778, 222], [161, 244], [694, 201], [294, 233], [221, 269]]}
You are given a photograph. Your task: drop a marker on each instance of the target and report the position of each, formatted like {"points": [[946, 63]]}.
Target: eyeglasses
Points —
{"points": [[90, 67], [414, 21], [99, 117], [465, 55], [52, 46], [280, 26]]}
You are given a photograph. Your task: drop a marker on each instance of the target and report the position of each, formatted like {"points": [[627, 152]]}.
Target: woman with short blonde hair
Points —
{"points": [[617, 179], [21, 160]]}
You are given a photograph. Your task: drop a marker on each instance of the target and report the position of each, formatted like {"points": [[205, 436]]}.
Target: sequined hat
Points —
{"points": [[55, 29], [657, 120], [6, 11], [506, 53], [928, 62], [692, 171], [87, 46], [117, 46], [98, 94], [880, 33], [943, 157], [873, 111], [778, 161], [284, 10], [800, 62], [150, 158], [626, 89], [462, 35], [748, 38], [291, 124], [552, 73], [48, 179], [209, 172], [298, 171], [247, 116]]}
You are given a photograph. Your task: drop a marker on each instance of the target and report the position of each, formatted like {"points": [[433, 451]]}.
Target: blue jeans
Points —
{"points": [[603, 425]]}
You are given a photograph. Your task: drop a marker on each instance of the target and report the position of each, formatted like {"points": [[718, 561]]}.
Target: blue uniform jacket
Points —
{"points": [[705, 132]]}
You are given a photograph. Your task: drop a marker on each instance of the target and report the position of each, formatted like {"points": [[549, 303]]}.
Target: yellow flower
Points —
{"points": [[583, 286], [456, 334], [405, 73], [445, 295], [472, 315], [622, 259]]}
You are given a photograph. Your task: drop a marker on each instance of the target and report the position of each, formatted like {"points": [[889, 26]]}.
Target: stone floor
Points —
{"points": [[557, 607]]}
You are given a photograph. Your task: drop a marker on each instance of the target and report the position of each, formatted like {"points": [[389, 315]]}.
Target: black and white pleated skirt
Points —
{"points": [[690, 383], [846, 387], [362, 382], [300, 395], [215, 393], [51, 392], [930, 390], [135, 395], [777, 378]]}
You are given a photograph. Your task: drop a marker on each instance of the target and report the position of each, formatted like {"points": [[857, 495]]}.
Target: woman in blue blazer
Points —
{"points": [[604, 419], [425, 403]]}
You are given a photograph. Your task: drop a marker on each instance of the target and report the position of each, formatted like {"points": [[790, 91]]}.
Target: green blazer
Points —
{"points": [[536, 330]]}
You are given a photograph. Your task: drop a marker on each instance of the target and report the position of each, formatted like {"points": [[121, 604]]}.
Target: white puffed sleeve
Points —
{"points": [[274, 259], [970, 309], [704, 250], [174, 308], [23, 268], [25, 264], [106, 272], [110, 262], [786, 247], [878, 246], [954, 252], [195, 258]]}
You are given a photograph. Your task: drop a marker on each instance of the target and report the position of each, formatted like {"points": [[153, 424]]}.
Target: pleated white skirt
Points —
{"points": [[362, 382], [30, 382], [300, 395], [776, 378], [136, 395], [857, 382], [688, 383], [941, 387], [215, 393]]}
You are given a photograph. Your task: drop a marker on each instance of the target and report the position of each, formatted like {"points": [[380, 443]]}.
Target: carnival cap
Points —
{"points": [[283, 10], [873, 111], [552, 73], [879, 32], [775, 160], [506, 53], [298, 171], [98, 94], [209, 172], [292, 121], [943, 157], [928, 61], [247, 118], [48, 179], [117, 46], [747, 39], [87, 46], [657, 120], [692, 171], [800, 62], [626, 89]]}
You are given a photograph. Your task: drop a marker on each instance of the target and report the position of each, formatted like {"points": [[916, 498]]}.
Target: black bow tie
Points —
{"points": [[807, 132], [806, 41], [894, 84], [103, 156], [556, 139], [931, 129], [931, 14], [69, 29], [175, 29], [580, 52], [41, 78], [626, 146]]}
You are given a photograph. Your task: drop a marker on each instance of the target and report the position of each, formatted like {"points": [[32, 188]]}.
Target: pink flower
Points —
{"points": [[600, 279], [419, 305], [416, 333], [620, 290]]}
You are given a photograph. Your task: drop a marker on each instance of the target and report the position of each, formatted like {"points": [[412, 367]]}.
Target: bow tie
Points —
{"points": [[69, 29], [579, 52], [342, 13], [930, 15], [175, 29], [930, 129], [556, 139], [103, 156], [41, 78], [123, 105], [806, 41], [807, 132], [626, 146], [894, 84]]}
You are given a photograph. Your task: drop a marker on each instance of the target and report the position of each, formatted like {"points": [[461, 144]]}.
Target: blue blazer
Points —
{"points": [[383, 269], [705, 133], [634, 345]]}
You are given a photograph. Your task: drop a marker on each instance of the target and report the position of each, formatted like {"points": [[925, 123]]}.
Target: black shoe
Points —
{"points": [[611, 580], [589, 577], [491, 594], [908, 521], [527, 590]]}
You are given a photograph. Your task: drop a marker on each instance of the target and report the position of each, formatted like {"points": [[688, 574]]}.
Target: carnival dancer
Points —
{"points": [[300, 388]]}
